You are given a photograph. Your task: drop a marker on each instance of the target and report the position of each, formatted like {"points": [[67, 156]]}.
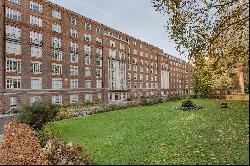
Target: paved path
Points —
{"points": [[3, 119]]}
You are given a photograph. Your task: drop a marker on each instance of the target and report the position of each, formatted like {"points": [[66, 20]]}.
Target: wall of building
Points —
{"points": [[141, 73]]}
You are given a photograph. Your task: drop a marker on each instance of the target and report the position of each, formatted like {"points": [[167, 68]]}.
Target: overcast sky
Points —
{"points": [[133, 17]]}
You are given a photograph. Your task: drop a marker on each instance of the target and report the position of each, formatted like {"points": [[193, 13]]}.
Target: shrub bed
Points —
{"points": [[188, 105], [66, 112], [60, 152]]}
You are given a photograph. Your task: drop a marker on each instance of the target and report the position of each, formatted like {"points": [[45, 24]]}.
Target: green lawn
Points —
{"points": [[160, 135]]}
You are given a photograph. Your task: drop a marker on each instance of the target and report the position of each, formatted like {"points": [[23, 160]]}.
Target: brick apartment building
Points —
{"points": [[51, 53]]}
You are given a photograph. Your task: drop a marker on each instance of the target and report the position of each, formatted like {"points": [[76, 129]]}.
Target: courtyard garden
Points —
{"points": [[162, 134]]}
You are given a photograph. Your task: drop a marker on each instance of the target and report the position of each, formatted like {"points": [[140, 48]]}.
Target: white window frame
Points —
{"points": [[10, 81], [13, 48], [56, 28], [73, 70], [13, 32], [13, 14], [17, 2], [36, 21], [56, 14], [34, 99], [87, 70], [56, 83], [36, 83], [57, 55], [56, 69], [74, 98], [57, 99], [13, 102], [36, 51], [73, 83], [36, 7], [36, 67], [13, 65], [74, 58]]}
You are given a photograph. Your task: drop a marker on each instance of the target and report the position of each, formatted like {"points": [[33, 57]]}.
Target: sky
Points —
{"points": [[136, 18]]}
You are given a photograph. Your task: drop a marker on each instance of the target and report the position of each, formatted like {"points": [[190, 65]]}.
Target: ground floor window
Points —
{"points": [[34, 99], [73, 98], [13, 102], [57, 99]]}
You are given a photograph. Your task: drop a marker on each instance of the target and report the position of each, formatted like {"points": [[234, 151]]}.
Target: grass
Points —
{"points": [[160, 135]]}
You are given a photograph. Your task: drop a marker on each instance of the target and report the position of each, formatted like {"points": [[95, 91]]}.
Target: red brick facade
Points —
{"points": [[151, 58]]}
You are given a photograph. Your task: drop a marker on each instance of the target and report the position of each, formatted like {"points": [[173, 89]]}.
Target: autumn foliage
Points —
{"points": [[20, 146]]}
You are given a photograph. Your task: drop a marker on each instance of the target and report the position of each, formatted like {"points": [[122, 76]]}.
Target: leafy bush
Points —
{"points": [[60, 152], [38, 114], [224, 105], [188, 103]]}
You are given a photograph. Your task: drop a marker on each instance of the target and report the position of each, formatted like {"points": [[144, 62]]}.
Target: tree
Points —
{"points": [[216, 29], [202, 82]]}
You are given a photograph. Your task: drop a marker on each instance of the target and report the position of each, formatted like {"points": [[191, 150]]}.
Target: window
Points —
{"points": [[13, 82], [34, 99], [99, 52], [87, 84], [56, 42], [134, 51], [56, 83], [99, 96], [36, 51], [36, 21], [57, 99], [57, 55], [99, 41], [18, 2], [73, 70], [36, 83], [74, 58], [73, 84], [13, 14], [87, 72], [112, 53], [87, 50], [122, 46], [141, 53], [73, 32], [57, 69], [73, 47], [36, 67], [141, 77], [98, 30], [56, 28], [134, 43], [87, 60], [13, 32], [56, 14], [73, 21], [13, 102], [87, 26], [98, 73], [99, 62], [88, 98], [13, 65], [13, 48], [73, 98], [87, 37], [99, 84], [36, 38], [112, 43], [36, 7]]}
